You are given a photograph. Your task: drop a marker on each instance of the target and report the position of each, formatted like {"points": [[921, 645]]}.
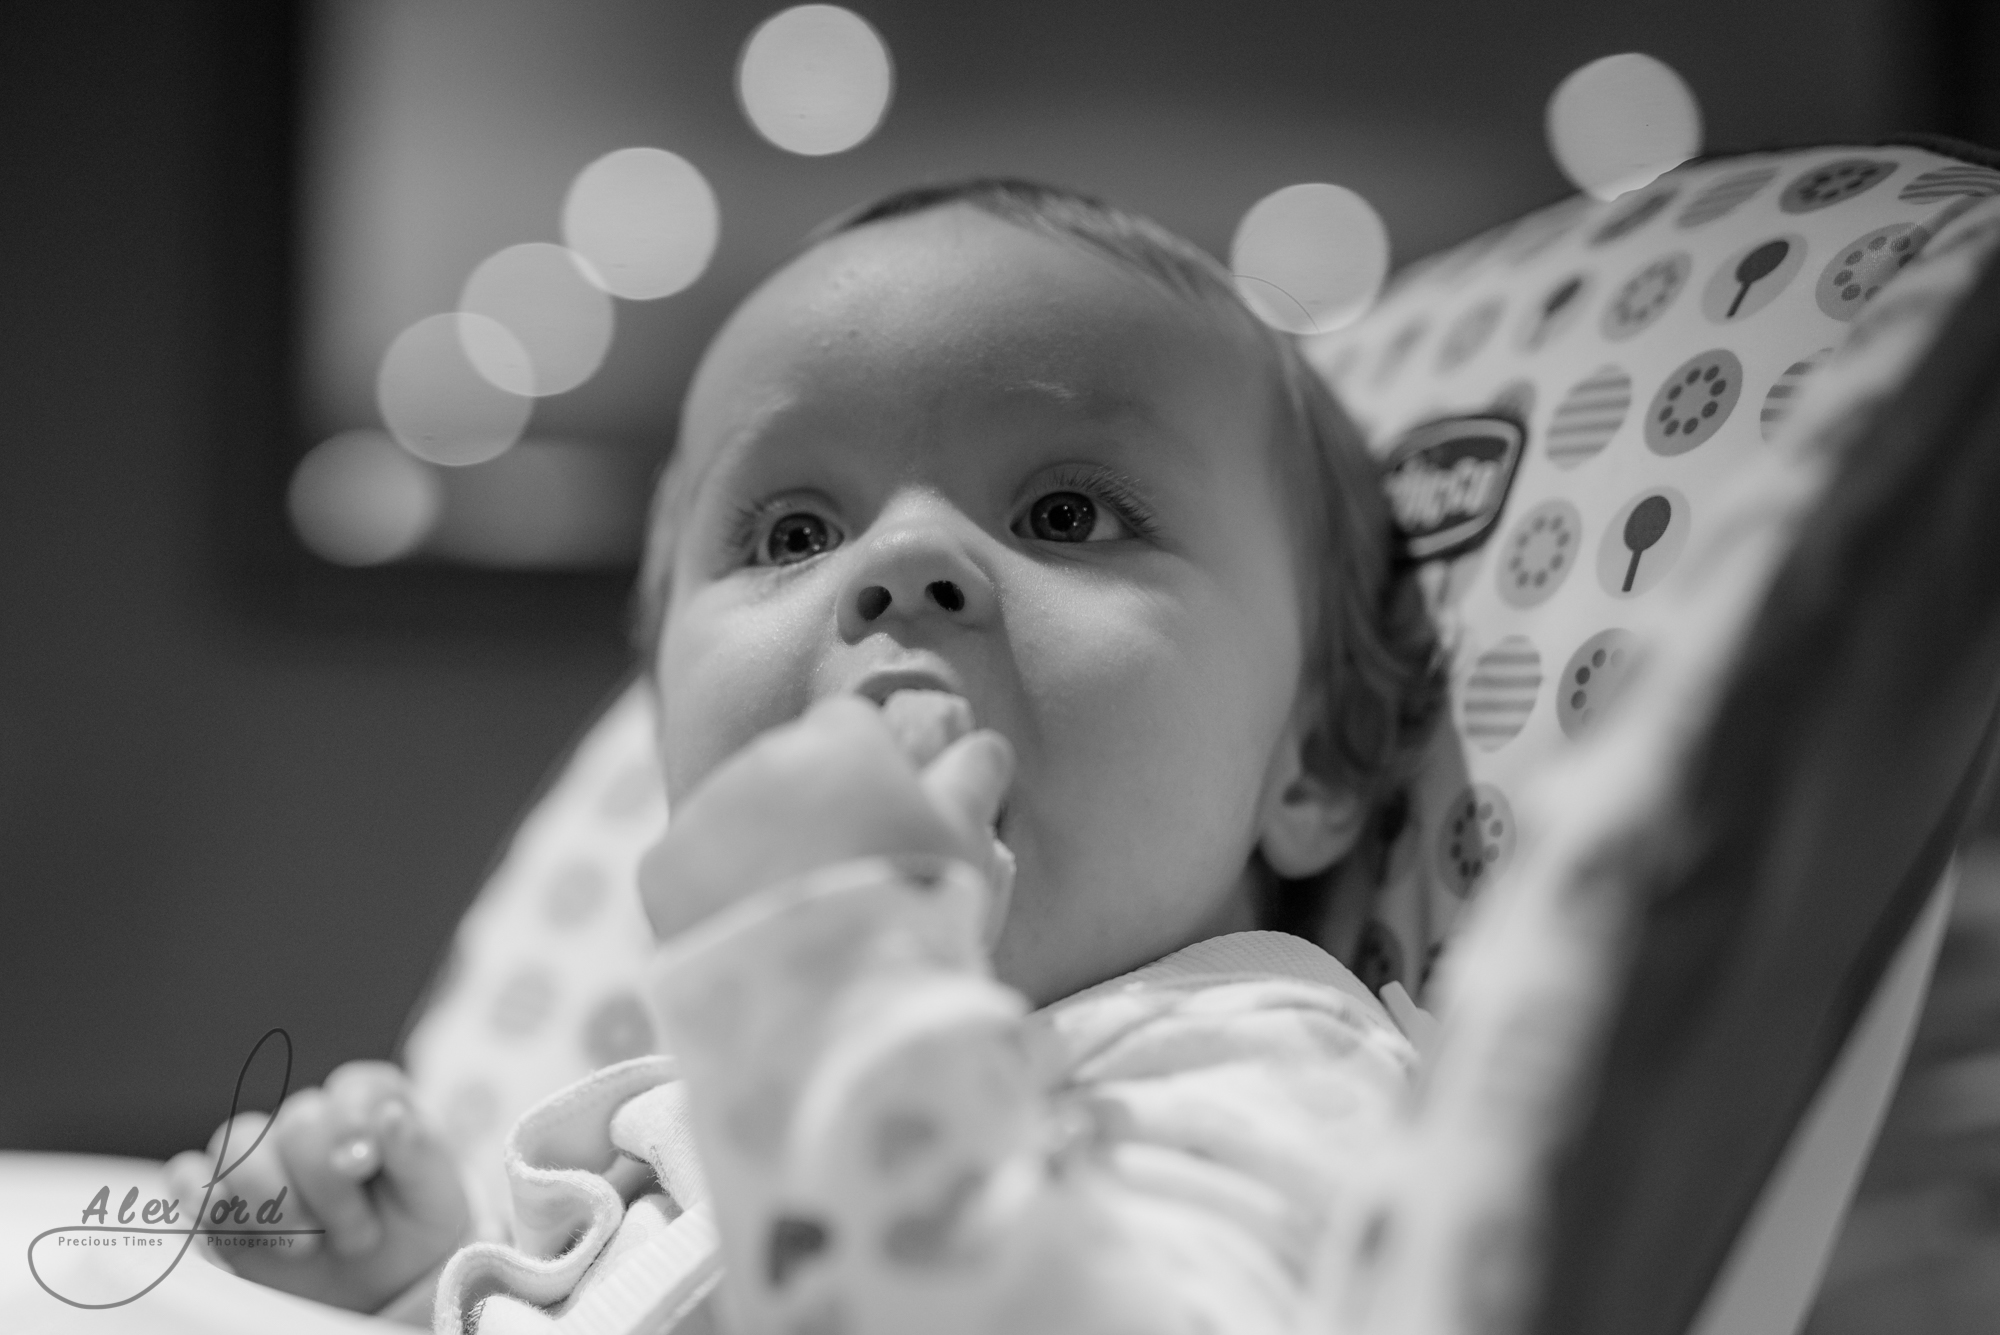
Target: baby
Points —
{"points": [[1023, 469]]}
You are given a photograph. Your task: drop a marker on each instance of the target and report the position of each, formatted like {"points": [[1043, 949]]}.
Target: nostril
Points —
{"points": [[945, 594], [873, 602]]}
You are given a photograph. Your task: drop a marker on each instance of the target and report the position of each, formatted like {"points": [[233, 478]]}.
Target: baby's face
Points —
{"points": [[946, 451]]}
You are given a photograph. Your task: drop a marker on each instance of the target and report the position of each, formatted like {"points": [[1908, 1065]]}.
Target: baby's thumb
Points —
{"points": [[969, 778], [420, 1167]]}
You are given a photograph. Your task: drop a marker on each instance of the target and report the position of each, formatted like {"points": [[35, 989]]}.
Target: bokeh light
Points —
{"points": [[436, 403], [1310, 258], [815, 79], [541, 295], [1619, 122], [357, 499], [644, 219]]}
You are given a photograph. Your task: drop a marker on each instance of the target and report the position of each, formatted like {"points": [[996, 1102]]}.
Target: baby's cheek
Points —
{"points": [[1151, 751], [725, 676]]}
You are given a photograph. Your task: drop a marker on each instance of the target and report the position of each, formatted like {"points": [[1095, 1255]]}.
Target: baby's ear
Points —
{"points": [[1310, 818]]}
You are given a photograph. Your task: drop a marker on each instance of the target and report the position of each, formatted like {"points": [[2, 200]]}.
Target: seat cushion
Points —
{"points": [[1652, 349]]}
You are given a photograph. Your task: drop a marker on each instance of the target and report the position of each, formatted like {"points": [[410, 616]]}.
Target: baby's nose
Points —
{"points": [[915, 571], [876, 599]]}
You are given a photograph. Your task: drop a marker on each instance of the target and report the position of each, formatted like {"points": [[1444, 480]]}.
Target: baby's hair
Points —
{"points": [[1378, 659]]}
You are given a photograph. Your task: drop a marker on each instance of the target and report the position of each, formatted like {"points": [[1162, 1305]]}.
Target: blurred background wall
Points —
{"points": [[240, 787]]}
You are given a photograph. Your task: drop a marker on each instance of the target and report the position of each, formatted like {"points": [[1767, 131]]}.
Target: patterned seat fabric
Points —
{"points": [[542, 983], [1652, 348], [1647, 349]]}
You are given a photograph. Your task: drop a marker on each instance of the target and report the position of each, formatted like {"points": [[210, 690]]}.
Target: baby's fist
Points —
{"points": [[832, 786], [356, 1159]]}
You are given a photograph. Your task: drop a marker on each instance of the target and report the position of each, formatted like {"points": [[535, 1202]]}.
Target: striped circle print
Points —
{"points": [[1946, 182], [1784, 392], [1724, 195], [1500, 693], [1589, 416]]}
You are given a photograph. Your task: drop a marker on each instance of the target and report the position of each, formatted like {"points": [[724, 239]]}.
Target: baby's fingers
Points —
{"points": [[316, 1143], [969, 779], [421, 1171], [187, 1176]]}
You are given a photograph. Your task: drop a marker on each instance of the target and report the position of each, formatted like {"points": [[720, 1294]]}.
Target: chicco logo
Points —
{"points": [[1447, 481]]}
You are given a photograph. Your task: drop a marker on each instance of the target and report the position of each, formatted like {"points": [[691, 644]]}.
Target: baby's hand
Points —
{"points": [[354, 1158], [836, 784]]}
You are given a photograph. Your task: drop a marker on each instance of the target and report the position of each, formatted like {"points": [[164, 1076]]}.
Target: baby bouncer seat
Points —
{"points": [[1702, 484]]}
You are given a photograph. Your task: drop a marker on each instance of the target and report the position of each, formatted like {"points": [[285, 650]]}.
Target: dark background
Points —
{"points": [[239, 789]]}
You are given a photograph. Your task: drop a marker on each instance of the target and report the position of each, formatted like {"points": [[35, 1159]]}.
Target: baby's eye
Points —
{"points": [[796, 536], [1071, 516]]}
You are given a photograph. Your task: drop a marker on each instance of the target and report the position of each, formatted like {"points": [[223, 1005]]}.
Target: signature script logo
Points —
{"points": [[224, 1222]]}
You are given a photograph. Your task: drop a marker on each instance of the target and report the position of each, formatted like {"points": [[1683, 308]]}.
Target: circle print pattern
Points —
{"points": [[1476, 839], [1864, 264], [1833, 182], [1646, 296], [574, 893], [1589, 416], [1724, 194], [1378, 957], [1643, 542], [1633, 216], [1398, 351], [1694, 402], [524, 1002], [1468, 335], [1592, 679], [470, 1111], [1556, 312], [1945, 182], [618, 1029], [1539, 231], [1751, 279], [1500, 694], [1784, 392], [1539, 553]]}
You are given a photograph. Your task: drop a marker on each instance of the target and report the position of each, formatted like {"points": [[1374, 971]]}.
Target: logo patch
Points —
{"points": [[1447, 481]]}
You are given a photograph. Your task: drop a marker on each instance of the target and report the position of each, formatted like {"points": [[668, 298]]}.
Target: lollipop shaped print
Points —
{"points": [[1642, 542], [1751, 279]]}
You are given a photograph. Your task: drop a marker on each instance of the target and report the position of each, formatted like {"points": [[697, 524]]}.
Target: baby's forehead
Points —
{"points": [[953, 311]]}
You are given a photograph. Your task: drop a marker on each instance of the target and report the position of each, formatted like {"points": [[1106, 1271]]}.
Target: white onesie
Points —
{"points": [[862, 1132]]}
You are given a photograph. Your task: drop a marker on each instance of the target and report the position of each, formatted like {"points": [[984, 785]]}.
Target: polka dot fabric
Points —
{"points": [[1651, 347], [543, 982], [1599, 774]]}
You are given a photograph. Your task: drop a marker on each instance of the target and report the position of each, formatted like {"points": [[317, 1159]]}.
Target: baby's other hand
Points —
{"points": [[829, 787], [354, 1158]]}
